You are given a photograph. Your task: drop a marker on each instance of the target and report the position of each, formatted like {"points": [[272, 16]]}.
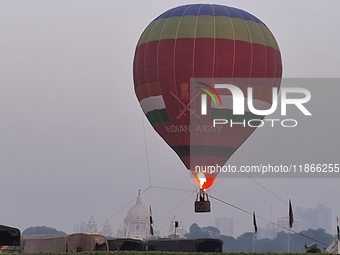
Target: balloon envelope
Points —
{"points": [[202, 41]]}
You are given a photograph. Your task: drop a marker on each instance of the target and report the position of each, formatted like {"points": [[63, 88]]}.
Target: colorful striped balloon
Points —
{"points": [[202, 41]]}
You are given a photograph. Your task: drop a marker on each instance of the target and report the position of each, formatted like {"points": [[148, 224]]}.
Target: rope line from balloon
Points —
{"points": [[155, 187], [174, 189], [146, 151], [175, 206], [269, 221], [272, 193], [284, 201], [124, 207]]}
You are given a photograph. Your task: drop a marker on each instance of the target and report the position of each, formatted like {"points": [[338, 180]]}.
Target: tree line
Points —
{"points": [[247, 242]]}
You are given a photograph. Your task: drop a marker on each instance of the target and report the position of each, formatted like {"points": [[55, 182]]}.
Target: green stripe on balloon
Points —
{"points": [[198, 27]]}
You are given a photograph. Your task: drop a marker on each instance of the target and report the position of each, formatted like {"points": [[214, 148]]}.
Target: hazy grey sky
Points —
{"points": [[71, 128]]}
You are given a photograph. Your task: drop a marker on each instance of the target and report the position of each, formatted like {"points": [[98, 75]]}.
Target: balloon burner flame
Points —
{"points": [[202, 179]]}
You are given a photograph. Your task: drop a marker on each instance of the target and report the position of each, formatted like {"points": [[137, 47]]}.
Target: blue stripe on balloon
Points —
{"points": [[208, 9]]}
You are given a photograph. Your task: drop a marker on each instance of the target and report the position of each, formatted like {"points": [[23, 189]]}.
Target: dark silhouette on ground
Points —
{"points": [[42, 230], [244, 243]]}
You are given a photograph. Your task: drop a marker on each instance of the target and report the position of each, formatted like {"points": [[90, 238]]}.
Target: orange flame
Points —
{"points": [[202, 179]]}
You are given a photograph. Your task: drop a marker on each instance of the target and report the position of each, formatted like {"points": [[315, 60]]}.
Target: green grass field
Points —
{"points": [[168, 253]]}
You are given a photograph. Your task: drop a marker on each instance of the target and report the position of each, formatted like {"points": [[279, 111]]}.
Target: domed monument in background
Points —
{"points": [[106, 229], [137, 222], [92, 226]]}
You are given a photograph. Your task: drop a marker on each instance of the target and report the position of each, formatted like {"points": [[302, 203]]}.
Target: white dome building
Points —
{"points": [[136, 222], [106, 229], [92, 226]]}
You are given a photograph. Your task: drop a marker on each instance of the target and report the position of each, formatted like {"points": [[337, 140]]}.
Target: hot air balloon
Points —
{"points": [[203, 41]]}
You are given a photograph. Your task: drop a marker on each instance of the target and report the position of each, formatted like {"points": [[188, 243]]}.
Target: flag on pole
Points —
{"points": [[291, 219], [151, 222], [254, 222], [337, 227]]}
